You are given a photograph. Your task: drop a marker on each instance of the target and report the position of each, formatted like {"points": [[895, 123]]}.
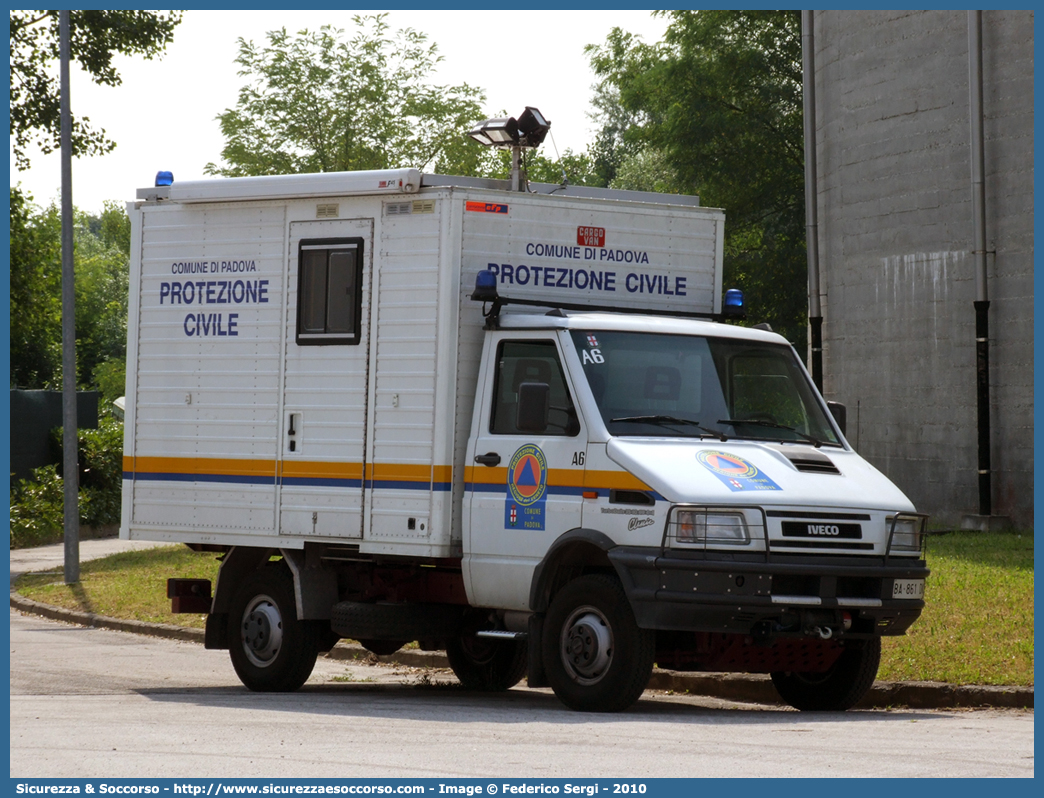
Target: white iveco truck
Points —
{"points": [[517, 426]]}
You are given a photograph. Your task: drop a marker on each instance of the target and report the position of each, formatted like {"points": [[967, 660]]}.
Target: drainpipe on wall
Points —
{"points": [[815, 310], [982, 299]]}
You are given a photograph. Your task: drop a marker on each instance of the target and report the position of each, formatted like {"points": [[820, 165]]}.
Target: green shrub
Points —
{"points": [[101, 472], [111, 379], [38, 509]]}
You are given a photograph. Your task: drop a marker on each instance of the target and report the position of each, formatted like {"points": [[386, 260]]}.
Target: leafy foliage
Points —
{"points": [[101, 472], [578, 169], [102, 284], [716, 110], [101, 247], [94, 38], [36, 293], [318, 103], [38, 509]]}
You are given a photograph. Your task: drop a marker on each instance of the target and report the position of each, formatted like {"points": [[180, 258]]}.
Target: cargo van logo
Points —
{"points": [[485, 207], [527, 489], [590, 236], [735, 472]]}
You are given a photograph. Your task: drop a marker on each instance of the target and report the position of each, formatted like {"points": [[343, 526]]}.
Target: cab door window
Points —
{"points": [[531, 361]]}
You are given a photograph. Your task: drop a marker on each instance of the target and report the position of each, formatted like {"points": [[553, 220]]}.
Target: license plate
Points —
{"points": [[908, 589]]}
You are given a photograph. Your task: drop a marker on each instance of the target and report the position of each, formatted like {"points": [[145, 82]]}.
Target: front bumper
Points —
{"points": [[779, 595]]}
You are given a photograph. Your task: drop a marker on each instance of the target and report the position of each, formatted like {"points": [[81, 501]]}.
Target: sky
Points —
{"points": [[163, 116]]}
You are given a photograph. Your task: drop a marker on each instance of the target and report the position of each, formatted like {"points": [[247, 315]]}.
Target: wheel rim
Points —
{"points": [[587, 645], [477, 650], [261, 631]]}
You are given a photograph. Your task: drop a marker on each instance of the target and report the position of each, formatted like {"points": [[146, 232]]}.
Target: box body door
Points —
{"points": [[324, 398]]}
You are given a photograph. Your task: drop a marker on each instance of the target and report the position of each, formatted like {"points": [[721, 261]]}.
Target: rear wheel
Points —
{"points": [[596, 657], [482, 663], [837, 689], [271, 650]]}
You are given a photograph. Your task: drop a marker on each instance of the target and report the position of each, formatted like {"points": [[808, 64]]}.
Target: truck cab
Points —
{"points": [[688, 475]]}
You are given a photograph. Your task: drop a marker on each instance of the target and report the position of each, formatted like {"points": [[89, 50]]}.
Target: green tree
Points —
{"points": [[102, 282], [577, 168], [101, 250], [95, 37], [715, 110], [36, 293], [316, 102]]}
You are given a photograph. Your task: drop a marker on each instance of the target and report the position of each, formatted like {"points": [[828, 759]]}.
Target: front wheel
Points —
{"points": [[271, 650], [837, 689], [596, 657]]}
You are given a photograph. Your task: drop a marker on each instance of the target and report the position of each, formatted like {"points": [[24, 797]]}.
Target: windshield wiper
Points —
{"points": [[772, 425], [664, 420]]}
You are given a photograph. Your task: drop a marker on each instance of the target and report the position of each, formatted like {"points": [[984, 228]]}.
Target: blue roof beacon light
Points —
{"points": [[164, 178], [734, 307], [485, 287]]}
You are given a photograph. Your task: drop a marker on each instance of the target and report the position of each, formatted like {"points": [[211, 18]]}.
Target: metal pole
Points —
{"points": [[516, 168], [982, 298], [815, 310], [71, 468]]}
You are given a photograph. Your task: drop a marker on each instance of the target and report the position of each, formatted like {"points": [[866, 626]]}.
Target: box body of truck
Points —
{"points": [[244, 428], [314, 391]]}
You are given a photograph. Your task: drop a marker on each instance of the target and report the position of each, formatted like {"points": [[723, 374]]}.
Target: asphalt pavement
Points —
{"points": [[755, 688]]}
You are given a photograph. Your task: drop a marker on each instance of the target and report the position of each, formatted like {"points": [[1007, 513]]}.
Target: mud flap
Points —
{"points": [[216, 634], [536, 677]]}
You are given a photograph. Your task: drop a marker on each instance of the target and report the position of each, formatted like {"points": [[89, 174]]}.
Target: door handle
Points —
{"points": [[488, 459]]}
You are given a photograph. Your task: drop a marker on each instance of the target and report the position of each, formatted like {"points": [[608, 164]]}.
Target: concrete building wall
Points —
{"points": [[896, 239]]}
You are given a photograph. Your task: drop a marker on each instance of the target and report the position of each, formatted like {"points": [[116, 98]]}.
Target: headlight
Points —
{"points": [[710, 528], [908, 533]]}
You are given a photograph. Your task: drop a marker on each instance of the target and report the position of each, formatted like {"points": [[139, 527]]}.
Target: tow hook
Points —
{"points": [[824, 632]]}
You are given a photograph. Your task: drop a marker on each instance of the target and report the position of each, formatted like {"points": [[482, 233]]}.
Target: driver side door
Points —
{"points": [[525, 486]]}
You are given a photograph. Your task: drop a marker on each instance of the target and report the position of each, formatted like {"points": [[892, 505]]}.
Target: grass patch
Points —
{"points": [[132, 584], [977, 627]]}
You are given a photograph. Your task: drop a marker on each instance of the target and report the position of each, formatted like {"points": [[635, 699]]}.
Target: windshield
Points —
{"points": [[651, 384]]}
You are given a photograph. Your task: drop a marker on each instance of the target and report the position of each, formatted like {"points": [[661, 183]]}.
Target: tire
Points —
{"points": [[838, 689], [485, 664], [271, 650], [595, 656]]}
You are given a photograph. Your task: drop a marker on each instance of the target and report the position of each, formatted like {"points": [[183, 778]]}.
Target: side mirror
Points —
{"points": [[534, 405], [840, 414]]}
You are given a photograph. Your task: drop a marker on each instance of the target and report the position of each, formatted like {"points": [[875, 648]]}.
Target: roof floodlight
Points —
{"points": [[533, 126], [501, 131], [480, 136]]}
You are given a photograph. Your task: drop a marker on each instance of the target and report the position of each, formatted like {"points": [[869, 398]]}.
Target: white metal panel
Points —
{"points": [[604, 253], [325, 390], [134, 214], [404, 474], [206, 331]]}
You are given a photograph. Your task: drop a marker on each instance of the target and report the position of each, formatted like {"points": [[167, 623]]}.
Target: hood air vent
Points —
{"points": [[812, 462]]}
